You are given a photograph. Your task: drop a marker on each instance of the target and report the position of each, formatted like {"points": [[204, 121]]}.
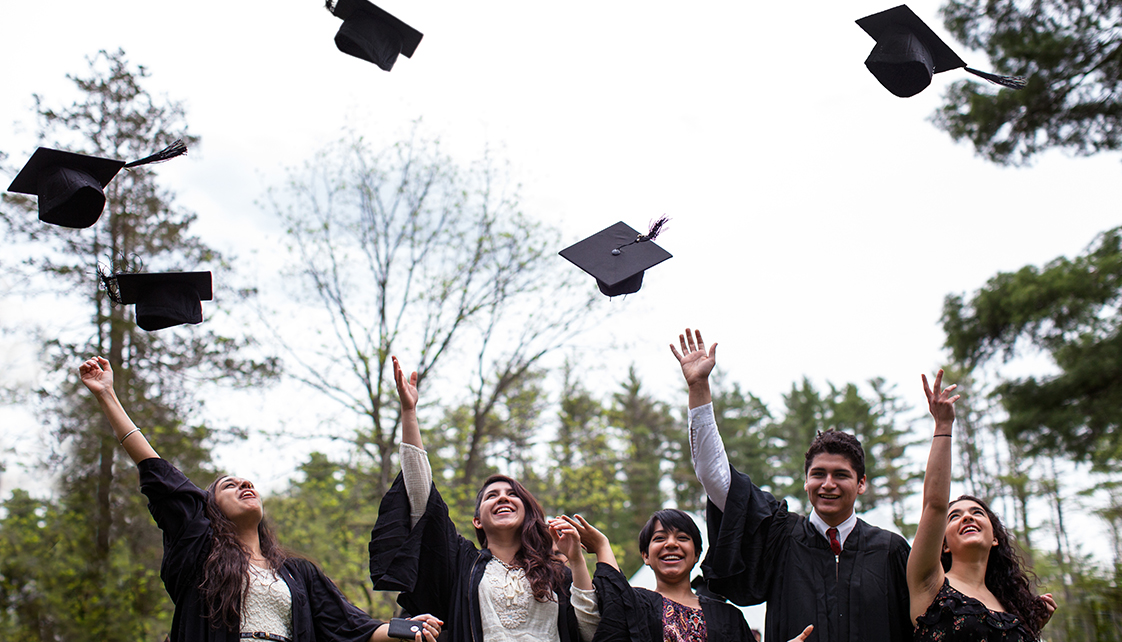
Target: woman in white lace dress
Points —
{"points": [[511, 588], [222, 565]]}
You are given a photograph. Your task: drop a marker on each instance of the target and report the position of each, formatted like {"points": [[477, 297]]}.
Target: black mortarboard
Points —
{"points": [[370, 33], [71, 187], [617, 256], [908, 53], [162, 299]]}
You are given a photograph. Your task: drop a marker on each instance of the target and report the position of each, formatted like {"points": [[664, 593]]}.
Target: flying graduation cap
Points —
{"points": [[71, 187], [618, 255], [908, 53], [370, 33], [162, 299]]}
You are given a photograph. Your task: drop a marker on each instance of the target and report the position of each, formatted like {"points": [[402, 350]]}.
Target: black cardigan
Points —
{"points": [[630, 614], [320, 613], [436, 569], [759, 551]]}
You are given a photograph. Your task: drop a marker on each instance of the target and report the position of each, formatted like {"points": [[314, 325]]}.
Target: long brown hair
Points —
{"points": [[544, 571], [225, 579], [1006, 576]]}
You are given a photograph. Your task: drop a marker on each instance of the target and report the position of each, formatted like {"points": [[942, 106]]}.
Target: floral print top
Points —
{"points": [[680, 623]]}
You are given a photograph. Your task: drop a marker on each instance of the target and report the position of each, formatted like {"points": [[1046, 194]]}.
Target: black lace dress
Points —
{"points": [[954, 617]]}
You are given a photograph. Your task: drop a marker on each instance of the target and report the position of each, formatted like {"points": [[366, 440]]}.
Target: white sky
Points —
{"points": [[817, 220]]}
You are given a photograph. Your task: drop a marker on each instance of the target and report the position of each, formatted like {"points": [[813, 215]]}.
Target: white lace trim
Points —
{"points": [[268, 605], [510, 593]]}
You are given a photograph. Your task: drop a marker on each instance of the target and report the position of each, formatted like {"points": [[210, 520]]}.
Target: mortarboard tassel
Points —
{"points": [[656, 229], [171, 151], [1012, 82]]}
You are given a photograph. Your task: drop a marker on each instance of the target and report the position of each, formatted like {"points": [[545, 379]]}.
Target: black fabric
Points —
{"points": [[320, 613], [954, 617], [760, 552], [436, 569], [630, 614]]}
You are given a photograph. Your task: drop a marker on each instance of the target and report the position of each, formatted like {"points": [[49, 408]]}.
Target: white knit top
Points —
{"points": [[268, 605]]}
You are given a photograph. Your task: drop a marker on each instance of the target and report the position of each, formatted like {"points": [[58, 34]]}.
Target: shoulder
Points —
{"points": [[877, 536]]}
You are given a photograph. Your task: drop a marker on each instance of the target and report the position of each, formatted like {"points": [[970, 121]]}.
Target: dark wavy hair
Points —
{"points": [[543, 569], [225, 579], [836, 442], [1006, 576], [671, 519]]}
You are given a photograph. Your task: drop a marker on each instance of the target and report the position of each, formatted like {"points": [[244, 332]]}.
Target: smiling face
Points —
{"points": [[968, 525], [238, 499], [671, 554], [499, 508], [832, 487]]}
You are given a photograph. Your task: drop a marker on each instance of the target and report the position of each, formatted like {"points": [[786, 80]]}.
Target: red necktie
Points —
{"points": [[835, 545]]}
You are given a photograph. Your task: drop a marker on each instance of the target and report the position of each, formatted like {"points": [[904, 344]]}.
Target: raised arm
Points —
{"points": [[415, 468], [925, 571], [710, 461], [97, 375]]}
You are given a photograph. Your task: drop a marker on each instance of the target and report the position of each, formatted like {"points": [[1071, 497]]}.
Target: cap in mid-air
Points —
{"points": [[908, 53], [71, 187], [617, 256], [163, 299], [372, 34]]}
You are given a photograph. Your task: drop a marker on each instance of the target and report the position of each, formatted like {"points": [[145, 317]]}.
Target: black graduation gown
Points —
{"points": [[320, 613], [630, 614], [760, 552], [436, 569]]}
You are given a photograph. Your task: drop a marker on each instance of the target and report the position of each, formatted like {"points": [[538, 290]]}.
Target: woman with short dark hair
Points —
{"points": [[670, 543]]}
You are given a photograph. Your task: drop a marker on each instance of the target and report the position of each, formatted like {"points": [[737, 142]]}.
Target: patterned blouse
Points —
{"points": [[954, 617], [680, 623]]}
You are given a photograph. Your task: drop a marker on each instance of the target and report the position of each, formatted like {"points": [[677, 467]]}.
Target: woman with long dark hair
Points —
{"points": [[512, 587], [222, 566], [965, 580]]}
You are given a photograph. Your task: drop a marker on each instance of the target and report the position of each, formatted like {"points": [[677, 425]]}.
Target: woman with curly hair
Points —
{"points": [[222, 566], [965, 580], [512, 587]]}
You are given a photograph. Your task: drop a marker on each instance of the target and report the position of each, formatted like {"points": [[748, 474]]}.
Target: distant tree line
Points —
{"points": [[405, 251]]}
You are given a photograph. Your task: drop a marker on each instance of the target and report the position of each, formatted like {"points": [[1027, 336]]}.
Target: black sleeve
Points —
{"points": [[625, 614], [737, 564], [422, 562], [334, 619], [179, 508], [903, 630]]}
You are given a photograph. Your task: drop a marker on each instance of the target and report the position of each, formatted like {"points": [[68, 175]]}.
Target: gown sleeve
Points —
{"points": [[334, 618], [179, 509], [423, 561], [738, 564], [625, 613]]}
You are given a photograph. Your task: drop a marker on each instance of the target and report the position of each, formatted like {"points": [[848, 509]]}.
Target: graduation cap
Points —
{"points": [[617, 256], [370, 33], [908, 53], [71, 187], [162, 299]]}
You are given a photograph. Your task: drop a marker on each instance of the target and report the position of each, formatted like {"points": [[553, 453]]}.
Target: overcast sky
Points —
{"points": [[817, 221]]}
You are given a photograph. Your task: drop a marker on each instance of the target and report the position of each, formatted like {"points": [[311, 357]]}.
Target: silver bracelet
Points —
{"points": [[128, 434]]}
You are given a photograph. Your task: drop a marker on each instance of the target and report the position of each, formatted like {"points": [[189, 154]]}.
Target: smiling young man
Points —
{"points": [[829, 569]]}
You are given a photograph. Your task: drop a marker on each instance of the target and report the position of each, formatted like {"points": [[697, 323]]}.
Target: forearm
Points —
{"points": [[581, 577], [125, 431], [924, 566], [411, 428], [710, 461]]}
